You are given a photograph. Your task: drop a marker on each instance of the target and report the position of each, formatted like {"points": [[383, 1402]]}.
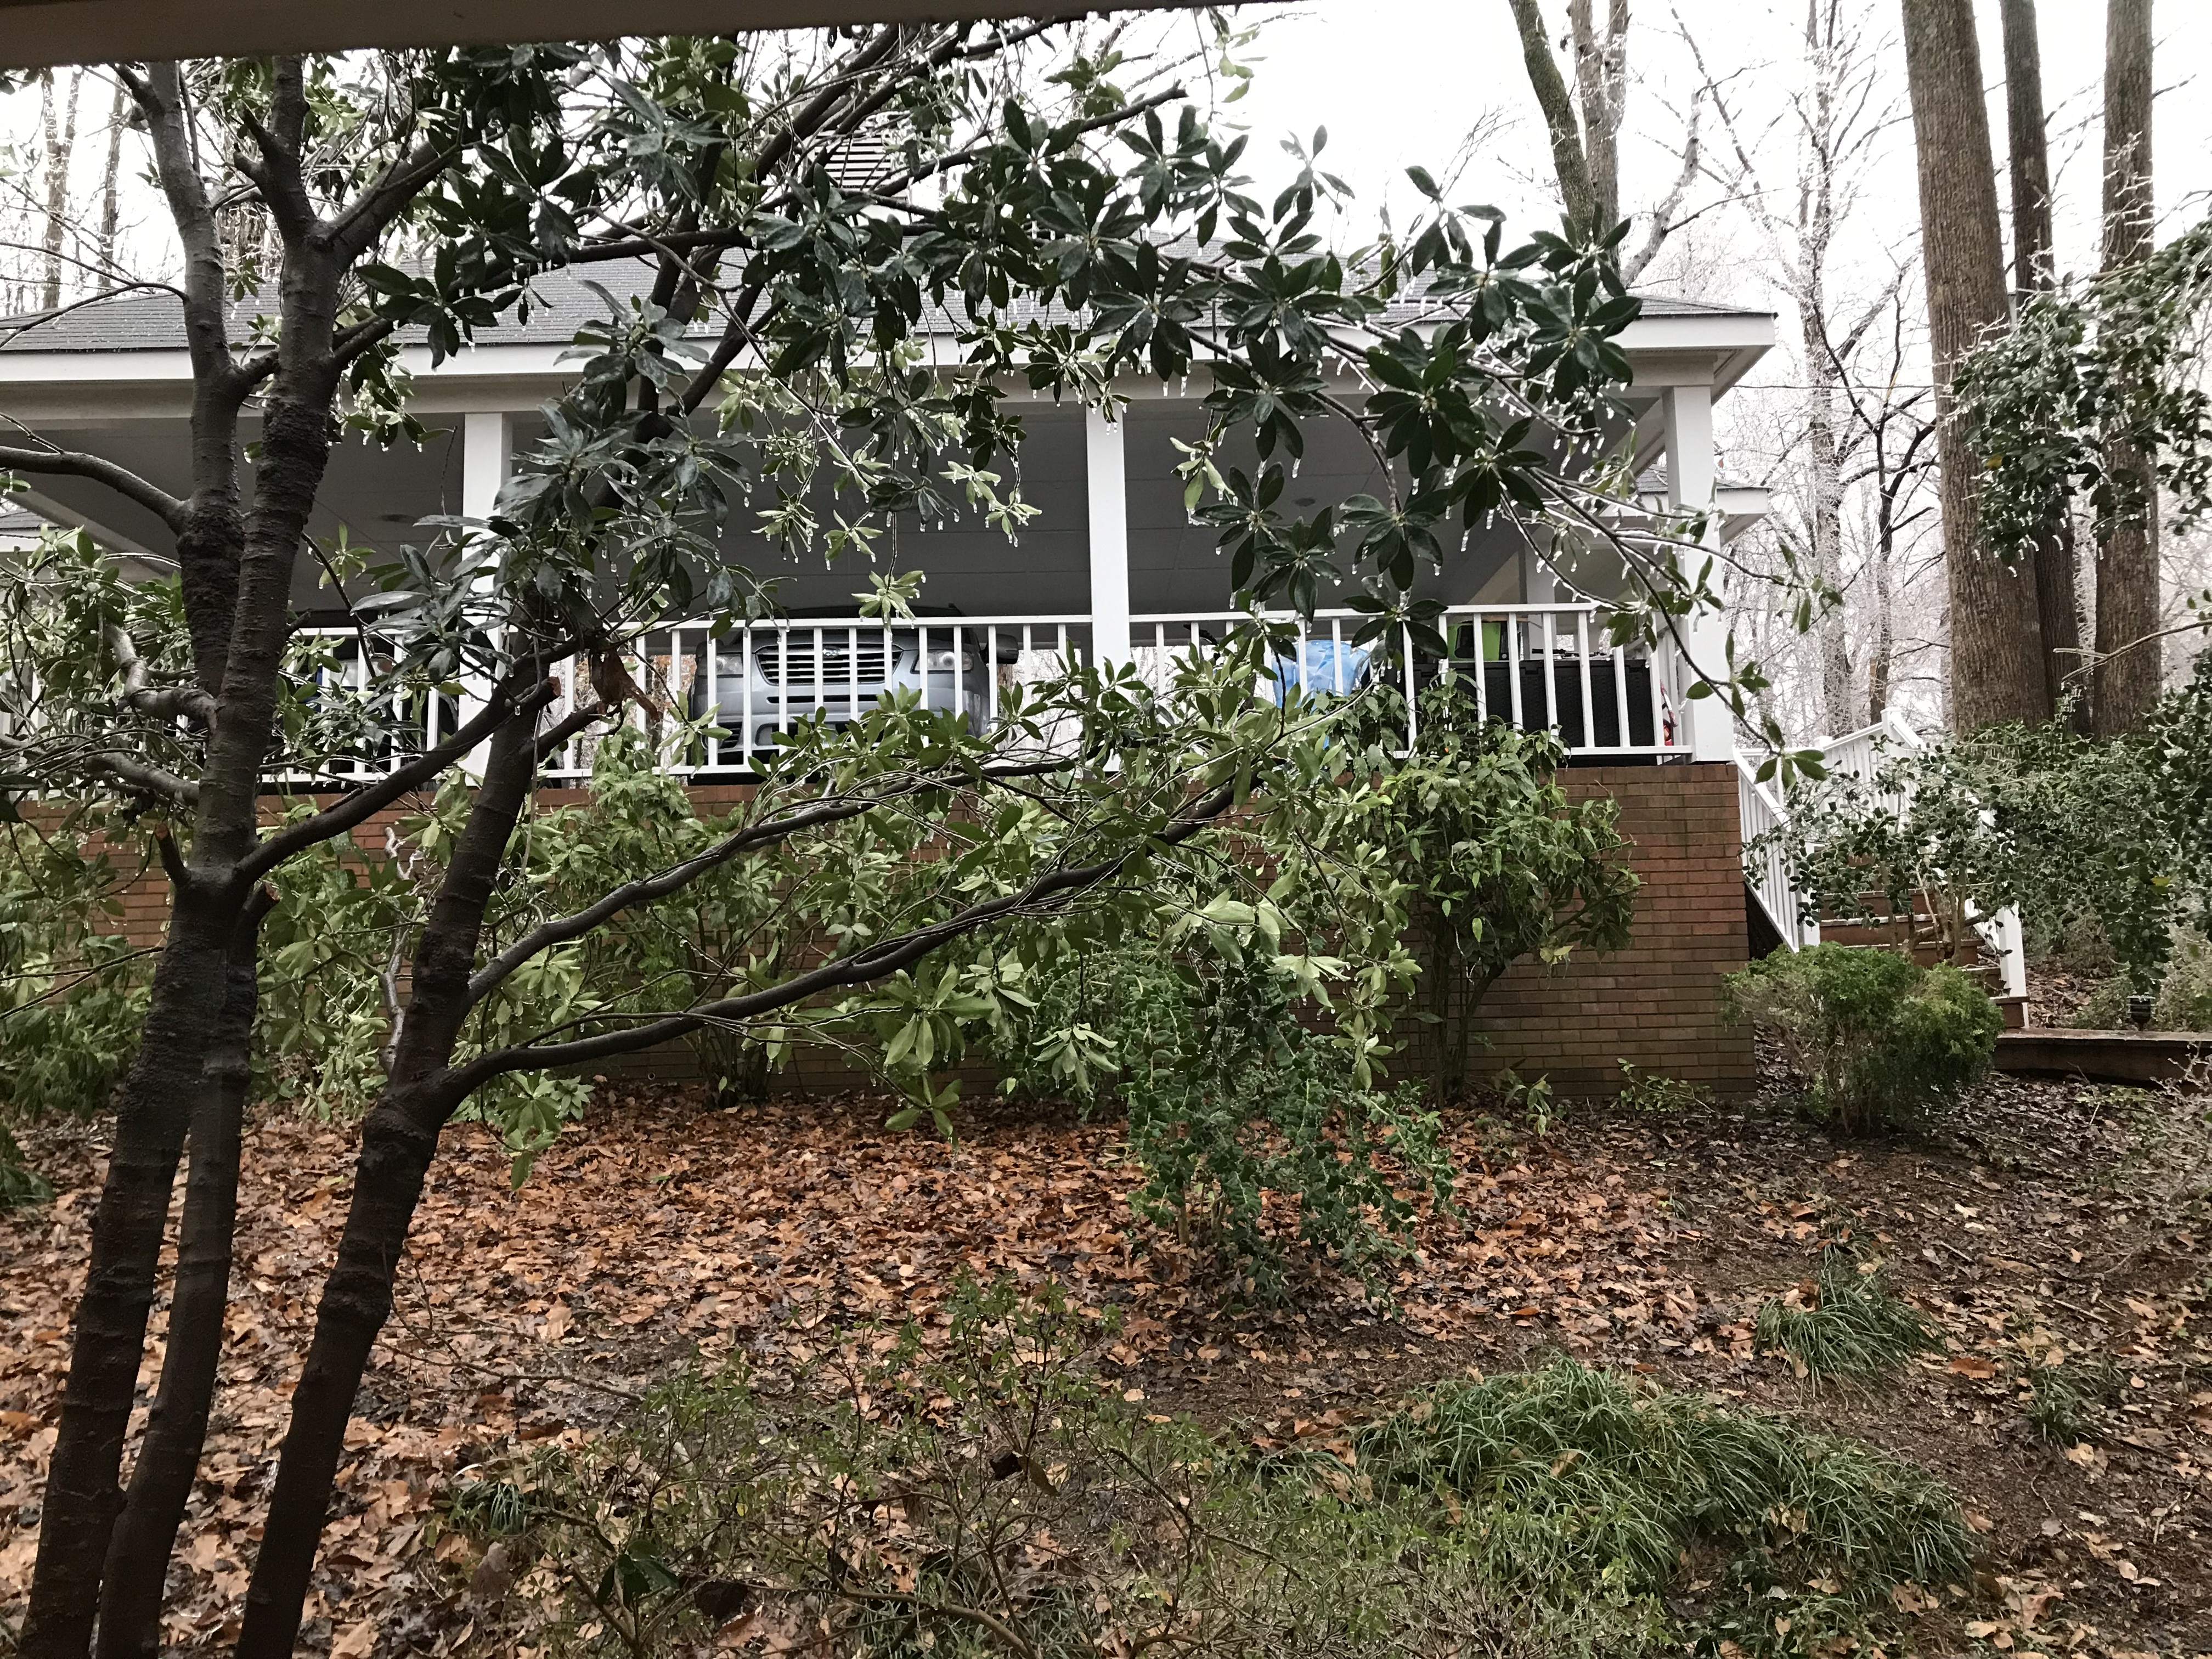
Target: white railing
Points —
{"points": [[767, 677], [1767, 872], [1536, 666], [1859, 754], [1539, 667]]}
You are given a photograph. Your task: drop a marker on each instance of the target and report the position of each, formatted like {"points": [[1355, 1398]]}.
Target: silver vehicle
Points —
{"points": [[774, 675]]}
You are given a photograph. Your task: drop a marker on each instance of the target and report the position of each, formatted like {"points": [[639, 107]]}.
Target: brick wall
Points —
{"points": [[1654, 1004]]}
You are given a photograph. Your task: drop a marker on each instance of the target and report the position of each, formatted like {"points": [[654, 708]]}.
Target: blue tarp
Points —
{"points": [[1319, 675]]}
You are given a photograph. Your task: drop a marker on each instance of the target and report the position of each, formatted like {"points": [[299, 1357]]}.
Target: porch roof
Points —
{"points": [[41, 33]]}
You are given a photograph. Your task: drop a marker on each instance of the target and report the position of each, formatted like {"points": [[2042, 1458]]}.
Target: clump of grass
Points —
{"points": [[986, 1497], [1852, 1325], [2063, 1399], [1573, 1474]]}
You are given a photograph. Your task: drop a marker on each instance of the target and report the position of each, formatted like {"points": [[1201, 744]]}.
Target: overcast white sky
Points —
{"points": [[1399, 82]]}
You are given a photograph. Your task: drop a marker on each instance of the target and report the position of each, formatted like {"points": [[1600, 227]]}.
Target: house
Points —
{"points": [[1112, 568]]}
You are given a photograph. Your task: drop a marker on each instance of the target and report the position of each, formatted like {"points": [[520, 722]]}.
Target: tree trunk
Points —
{"points": [[61, 143], [1577, 195], [1996, 650], [1601, 88], [1824, 461], [136, 1570], [158, 1098], [1825, 518], [1881, 649], [2027, 139], [111, 190], [164, 1087], [2130, 673], [399, 1138]]}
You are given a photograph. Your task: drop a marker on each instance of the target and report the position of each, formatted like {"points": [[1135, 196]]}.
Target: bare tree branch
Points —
{"points": [[872, 962], [1665, 220], [365, 803], [71, 463], [143, 697]]}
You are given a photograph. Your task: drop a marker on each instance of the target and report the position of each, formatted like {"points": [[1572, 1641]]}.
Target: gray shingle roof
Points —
{"points": [[144, 321]]}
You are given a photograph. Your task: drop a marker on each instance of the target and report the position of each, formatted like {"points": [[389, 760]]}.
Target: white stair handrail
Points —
{"points": [[1858, 754]]}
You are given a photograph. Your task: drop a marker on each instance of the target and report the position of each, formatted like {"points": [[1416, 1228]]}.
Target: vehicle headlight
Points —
{"points": [[945, 661]]}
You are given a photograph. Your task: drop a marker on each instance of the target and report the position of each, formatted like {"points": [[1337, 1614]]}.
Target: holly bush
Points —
{"points": [[1875, 1037]]}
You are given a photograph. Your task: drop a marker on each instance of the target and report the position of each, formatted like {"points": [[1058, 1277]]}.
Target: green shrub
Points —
{"points": [[1502, 866], [1853, 1324], [72, 994], [2183, 999], [19, 1184], [988, 1498], [1874, 1037], [1229, 1095]]}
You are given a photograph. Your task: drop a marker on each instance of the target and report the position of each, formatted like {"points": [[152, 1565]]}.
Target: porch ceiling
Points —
{"points": [[39, 33]]}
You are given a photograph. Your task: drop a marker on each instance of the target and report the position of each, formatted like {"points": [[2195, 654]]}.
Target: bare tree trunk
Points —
{"points": [[2129, 673], [110, 189], [61, 143], [399, 1138], [1601, 88], [78, 1514], [1881, 649], [1576, 193], [134, 1578], [2027, 139], [237, 656], [1824, 462], [1997, 646]]}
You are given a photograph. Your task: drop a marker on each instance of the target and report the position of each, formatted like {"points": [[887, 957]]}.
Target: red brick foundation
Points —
{"points": [[1656, 1004]]}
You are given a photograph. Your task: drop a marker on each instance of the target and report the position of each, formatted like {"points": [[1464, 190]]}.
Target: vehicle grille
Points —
{"points": [[796, 662]]}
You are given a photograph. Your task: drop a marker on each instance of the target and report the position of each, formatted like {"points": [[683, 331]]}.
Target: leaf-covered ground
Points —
{"points": [[2050, 1231]]}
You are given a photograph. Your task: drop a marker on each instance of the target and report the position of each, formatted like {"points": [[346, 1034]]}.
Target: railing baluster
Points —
{"points": [[674, 682], [749, 665], [1336, 653], [1658, 673], [1551, 672], [1582, 655], [891, 659], [1620, 698], [1412, 694], [853, 675], [782, 683], [1482, 665], [1512, 634], [711, 704]]}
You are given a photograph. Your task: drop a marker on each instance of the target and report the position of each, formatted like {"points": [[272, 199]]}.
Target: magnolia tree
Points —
{"points": [[768, 384]]}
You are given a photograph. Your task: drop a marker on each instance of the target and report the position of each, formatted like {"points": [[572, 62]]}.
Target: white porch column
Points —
{"points": [[487, 450], [1107, 485], [1690, 489]]}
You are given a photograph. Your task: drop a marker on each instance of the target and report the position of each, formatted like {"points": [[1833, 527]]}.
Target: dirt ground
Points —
{"points": [[2045, 1225]]}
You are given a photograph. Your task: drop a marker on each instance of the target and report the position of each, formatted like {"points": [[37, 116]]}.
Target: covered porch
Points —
{"points": [[1112, 569]]}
